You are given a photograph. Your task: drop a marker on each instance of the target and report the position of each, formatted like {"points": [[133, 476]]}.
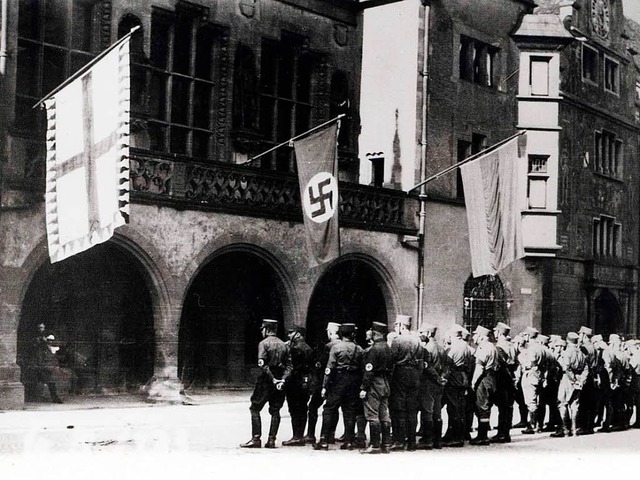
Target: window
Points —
{"points": [[181, 83], [339, 104], [377, 171], [285, 97], [537, 182], [606, 237], [609, 154], [486, 302], [55, 39], [589, 64], [611, 75], [539, 76], [477, 61]]}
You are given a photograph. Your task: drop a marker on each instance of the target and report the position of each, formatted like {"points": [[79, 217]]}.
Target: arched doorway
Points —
{"points": [[98, 306], [350, 291], [221, 318], [486, 302], [609, 318]]}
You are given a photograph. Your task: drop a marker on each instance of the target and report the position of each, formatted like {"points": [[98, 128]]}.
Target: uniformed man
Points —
{"points": [[634, 362], [575, 371], [553, 377], [545, 364], [317, 378], [341, 388], [375, 389], [607, 377], [432, 384], [507, 364], [484, 382], [587, 414], [621, 394], [470, 398], [274, 361], [520, 344], [530, 360], [407, 359], [297, 385], [455, 390]]}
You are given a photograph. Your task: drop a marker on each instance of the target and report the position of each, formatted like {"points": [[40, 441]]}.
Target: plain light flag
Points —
{"points": [[87, 167], [491, 197], [316, 156]]}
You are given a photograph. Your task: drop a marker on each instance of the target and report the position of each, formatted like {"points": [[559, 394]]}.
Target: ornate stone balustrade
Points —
{"points": [[249, 191]]}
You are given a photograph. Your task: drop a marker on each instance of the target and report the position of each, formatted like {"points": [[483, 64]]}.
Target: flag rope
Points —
{"points": [[468, 159], [297, 137]]}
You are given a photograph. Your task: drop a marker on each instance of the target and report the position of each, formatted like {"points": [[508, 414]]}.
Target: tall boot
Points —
{"points": [[437, 434], [312, 421], [256, 432], [361, 427], [53, 391], [385, 434], [399, 434], [481, 438], [349, 432], [530, 424], [426, 441], [374, 433], [524, 414], [297, 425], [412, 422], [327, 429], [273, 430]]}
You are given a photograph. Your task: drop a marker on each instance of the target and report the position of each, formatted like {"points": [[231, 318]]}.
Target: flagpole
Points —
{"points": [[467, 160], [84, 69], [287, 142]]}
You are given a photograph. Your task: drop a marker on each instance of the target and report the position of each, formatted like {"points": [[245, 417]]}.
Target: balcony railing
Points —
{"points": [[248, 191]]}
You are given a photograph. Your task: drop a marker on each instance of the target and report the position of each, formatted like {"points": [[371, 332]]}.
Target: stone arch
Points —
{"points": [[228, 294], [609, 316]]}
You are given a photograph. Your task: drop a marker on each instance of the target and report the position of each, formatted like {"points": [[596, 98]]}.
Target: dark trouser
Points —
{"points": [[265, 391], [486, 396], [469, 410], [522, 406], [315, 403], [376, 409], [297, 395], [621, 404], [586, 412], [455, 400], [506, 386], [403, 404], [341, 393], [430, 398]]}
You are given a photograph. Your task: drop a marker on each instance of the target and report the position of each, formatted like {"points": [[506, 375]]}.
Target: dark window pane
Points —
{"points": [[303, 119], [27, 83], [267, 106], [305, 70], [269, 65], [160, 45], [182, 46], [25, 114], [283, 159], [56, 22], [204, 54], [83, 11], [79, 60], [53, 69], [156, 136], [179, 140], [284, 120], [138, 88], [158, 95], [29, 20], [180, 100], [201, 105], [201, 144], [286, 73]]}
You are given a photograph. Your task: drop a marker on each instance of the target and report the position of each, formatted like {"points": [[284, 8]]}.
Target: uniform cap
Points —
{"points": [[50, 337], [599, 344], [614, 337], [554, 338], [333, 327], [403, 320], [502, 328], [428, 327], [347, 328], [585, 330], [465, 333], [480, 330], [572, 337], [543, 339], [561, 343], [456, 328], [379, 327], [531, 331], [596, 338]]}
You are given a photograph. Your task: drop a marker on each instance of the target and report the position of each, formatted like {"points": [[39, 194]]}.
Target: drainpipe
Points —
{"points": [[423, 166], [4, 8], [4, 32]]}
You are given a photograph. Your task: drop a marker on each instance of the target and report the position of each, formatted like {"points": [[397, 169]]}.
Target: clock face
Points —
{"points": [[600, 17]]}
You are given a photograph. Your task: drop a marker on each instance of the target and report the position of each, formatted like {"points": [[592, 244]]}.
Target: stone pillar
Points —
{"points": [[11, 388], [165, 387]]}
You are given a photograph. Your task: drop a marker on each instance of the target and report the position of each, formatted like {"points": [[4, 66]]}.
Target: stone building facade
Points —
{"points": [[214, 245]]}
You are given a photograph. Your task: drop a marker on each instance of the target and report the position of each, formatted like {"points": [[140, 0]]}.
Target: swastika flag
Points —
{"points": [[316, 156], [87, 167], [491, 197]]}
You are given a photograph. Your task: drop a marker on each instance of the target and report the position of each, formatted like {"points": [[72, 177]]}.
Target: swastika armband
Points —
{"points": [[261, 363], [368, 367], [327, 371]]}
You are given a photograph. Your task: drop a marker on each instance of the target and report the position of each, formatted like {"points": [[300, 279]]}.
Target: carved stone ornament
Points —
{"points": [[340, 34], [248, 8]]}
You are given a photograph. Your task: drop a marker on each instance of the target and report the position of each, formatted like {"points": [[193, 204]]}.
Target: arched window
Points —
{"points": [[486, 302]]}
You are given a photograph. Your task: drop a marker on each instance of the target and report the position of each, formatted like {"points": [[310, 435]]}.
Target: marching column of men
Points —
{"points": [[577, 384]]}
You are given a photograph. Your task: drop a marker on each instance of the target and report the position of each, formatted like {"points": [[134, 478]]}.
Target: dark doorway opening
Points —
{"points": [[98, 307], [609, 318], [348, 292], [220, 324]]}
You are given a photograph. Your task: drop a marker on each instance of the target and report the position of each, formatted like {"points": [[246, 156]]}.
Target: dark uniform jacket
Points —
{"points": [[274, 358], [435, 362], [345, 356], [377, 365], [459, 356], [301, 360], [406, 351]]}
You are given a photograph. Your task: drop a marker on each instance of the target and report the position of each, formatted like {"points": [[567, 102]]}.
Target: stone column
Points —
{"points": [[11, 388]]}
